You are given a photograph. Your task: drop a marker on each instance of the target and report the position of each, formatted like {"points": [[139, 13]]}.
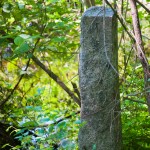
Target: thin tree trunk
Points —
{"points": [[140, 48]]}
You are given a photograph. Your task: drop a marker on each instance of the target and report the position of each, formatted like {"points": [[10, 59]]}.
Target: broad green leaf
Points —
{"points": [[35, 37], [44, 120], [41, 131], [5, 37], [18, 40], [67, 144], [61, 124], [30, 124], [24, 36], [24, 47], [60, 24]]}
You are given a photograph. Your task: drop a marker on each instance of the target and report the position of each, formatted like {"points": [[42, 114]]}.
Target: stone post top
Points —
{"points": [[98, 11]]}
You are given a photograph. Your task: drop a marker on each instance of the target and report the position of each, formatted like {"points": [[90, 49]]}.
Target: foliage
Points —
{"points": [[135, 116], [48, 31], [32, 102], [47, 130]]}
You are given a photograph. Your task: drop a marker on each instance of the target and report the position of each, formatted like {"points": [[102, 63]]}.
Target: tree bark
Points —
{"points": [[140, 48]]}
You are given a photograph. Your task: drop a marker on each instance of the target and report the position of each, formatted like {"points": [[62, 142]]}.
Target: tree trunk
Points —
{"points": [[140, 48]]}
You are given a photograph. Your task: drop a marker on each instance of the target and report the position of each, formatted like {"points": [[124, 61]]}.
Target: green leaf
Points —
{"points": [[21, 5], [18, 40], [37, 108], [20, 131], [30, 124], [54, 1], [29, 107], [67, 144], [25, 36], [50, 129], [78, 122], [6, 145], [34, 108], [5, 37], [44, 120], [19, 137], [41, 131], [2, 115], [35, 36], [17, 147], [18, 28], [61, 124], [23, 72], [29, 55], [60, 24], [24, 47], [59, 39]]}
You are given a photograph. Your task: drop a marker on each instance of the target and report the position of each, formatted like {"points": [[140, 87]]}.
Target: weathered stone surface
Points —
{"points": [[100, 107]]}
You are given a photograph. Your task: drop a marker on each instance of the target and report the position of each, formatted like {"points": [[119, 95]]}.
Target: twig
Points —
{"points": [[56, 79], [133, 100], [28, 62], [121, 21], [15, 87], [53, 123], [75, 89], [143, 6], [67, 117], [12, 91]]}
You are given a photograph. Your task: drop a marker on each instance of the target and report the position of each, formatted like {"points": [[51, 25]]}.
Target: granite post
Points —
{"points": [[98, 75]]}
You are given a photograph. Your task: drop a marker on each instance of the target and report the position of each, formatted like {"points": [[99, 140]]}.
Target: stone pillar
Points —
{"points": [[98, 75]]}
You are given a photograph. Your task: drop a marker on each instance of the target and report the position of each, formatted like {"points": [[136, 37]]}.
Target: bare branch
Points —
{"points": [[15, 87], [53, 123], [75, 89], [56, 79], [143, 6], [133, 100], [11, 93], [140, 47], [121, 21]]}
